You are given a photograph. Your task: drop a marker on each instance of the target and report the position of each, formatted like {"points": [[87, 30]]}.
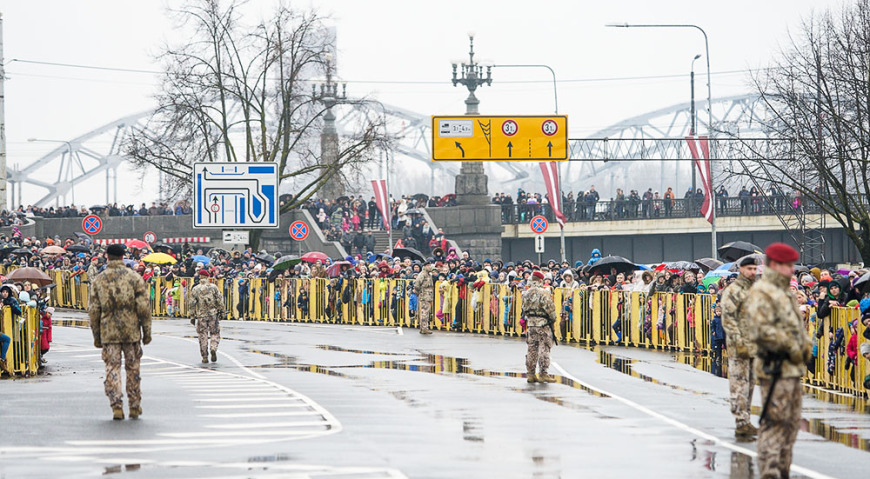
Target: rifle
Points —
{"points": [[772, 366], [552, 324]]}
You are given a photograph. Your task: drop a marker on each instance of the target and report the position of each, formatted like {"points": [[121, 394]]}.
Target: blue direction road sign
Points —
{"points": [[539, 224], [235, 195], [299, 230], [92, 224]]}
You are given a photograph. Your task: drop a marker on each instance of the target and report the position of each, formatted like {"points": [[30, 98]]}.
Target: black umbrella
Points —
{"points": [[737, 249], [98, 207], [759, 259], [683, 266], [22, 251], [621, 264], [420, 196], [77, 248], [7, 248], [286, 262], [83, 236], [408, 253], [342, 198], [266, 259], [414, 211], [708, 264]]}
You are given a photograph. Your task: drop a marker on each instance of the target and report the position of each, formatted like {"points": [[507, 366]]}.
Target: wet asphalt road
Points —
{"points": [[326, 401]]}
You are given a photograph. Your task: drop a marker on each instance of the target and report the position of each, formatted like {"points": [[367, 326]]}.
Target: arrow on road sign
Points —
{"points": [[459, 145], [550, 148], [510, 148]]}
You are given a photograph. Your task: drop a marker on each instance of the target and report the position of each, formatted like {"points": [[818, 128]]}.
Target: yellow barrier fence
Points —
{"points": [[24, 352], [677, 322]]}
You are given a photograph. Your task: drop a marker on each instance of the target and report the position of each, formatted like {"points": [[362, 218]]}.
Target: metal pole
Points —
{"points": [[561, 228], [389, 206], [3, 199], [692, 125], [555, 93]]}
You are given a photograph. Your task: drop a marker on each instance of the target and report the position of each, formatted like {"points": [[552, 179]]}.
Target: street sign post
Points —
{"points": [[539, 224], [499, 138], [235, 195], [237, 237], [299, 231], [539, 246], [150, 237], [92, 224]]}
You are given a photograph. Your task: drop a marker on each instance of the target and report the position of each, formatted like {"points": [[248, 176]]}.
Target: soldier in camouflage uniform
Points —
{"points": [[540, 312], [741, 371], [120, 316], [207, 307], [425, 288], [779, 336]]}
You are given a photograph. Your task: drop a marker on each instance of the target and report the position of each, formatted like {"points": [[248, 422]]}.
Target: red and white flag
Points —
{"points": [[382, 201], [699, 144], [551, 179]]}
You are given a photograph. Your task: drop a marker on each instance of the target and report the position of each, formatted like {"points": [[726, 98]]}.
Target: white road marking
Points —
{"points": [[261, 414], [683, 426], [249, 399], [210, 434], [258, 425], [399, 331], [253, 406]]}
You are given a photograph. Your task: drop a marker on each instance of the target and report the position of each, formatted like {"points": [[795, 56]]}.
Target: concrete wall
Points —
{"points": [[476, 229]]}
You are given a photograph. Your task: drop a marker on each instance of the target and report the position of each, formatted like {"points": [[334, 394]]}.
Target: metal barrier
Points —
{"points": [[24, 352], [671, 321]]}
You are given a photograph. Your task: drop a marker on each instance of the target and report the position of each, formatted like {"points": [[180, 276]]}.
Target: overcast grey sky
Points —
{"points": [[392, 50]]}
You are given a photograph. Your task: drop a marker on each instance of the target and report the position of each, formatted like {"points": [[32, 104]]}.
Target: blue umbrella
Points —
{"points": [[724, 267], [201, 259], [716, 273], [130, 262]]}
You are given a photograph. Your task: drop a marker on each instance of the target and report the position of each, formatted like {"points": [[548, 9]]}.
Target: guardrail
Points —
{"points": [[24, 351], [665, 321]]}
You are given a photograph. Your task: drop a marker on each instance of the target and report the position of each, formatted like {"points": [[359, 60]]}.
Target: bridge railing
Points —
{"points": [[629, 209]]}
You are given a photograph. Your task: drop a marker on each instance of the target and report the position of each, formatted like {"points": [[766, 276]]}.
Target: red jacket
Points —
{"points": [[45, 336], [852, 348]]}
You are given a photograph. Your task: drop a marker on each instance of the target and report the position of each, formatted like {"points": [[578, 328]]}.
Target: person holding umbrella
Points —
{"points": [[207, 308]]}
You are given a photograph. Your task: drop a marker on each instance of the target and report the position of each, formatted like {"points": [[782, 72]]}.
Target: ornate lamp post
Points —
{"points": [[329, 96], [471, 182]]}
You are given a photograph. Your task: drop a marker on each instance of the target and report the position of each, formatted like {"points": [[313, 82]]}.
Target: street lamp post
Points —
{"points": [[470, 186], [552, 73], [60, 173], [709, 98], [693, 125]]}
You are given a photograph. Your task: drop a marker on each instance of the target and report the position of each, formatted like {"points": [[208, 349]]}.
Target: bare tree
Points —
{"points": [[238, 92], [818, 93]]}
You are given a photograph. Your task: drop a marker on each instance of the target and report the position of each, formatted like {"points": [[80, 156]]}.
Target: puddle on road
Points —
{"points": [[821, 428], [121, 468], [623, 365], [72, 323], [328, 347]]}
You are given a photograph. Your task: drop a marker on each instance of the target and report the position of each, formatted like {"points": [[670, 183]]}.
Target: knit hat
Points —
{"points": [[865, 348]]}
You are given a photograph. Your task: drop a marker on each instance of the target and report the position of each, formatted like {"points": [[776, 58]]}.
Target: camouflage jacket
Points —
{"points": [[424, 286], [734, 318], [118, 307], [538, 305], [776, 324], [205, 301]]}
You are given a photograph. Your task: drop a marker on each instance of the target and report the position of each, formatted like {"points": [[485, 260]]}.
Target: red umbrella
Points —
{"points": [[335, 269], [137, 244], [314, 257]]}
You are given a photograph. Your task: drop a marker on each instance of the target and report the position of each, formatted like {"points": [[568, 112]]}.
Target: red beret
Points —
{"points": [[781, 253], [204, 272], [538, 274]]}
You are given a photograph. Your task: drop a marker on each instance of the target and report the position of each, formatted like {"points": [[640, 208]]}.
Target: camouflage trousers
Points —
{"points": [[540, 340], [779, 429], [209, 331], [132, 353], [425, 307], [741, 382]]}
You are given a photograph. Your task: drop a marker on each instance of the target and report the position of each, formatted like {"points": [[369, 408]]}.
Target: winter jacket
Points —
{"points": [[119, 308]]}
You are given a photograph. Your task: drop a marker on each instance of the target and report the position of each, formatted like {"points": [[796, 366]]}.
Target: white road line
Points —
{"points": [[258, 425], [223, 390], [211, 434], [250, 399], [399, 331], [683, 426], [163, 442], [253, 406], [260, 414]]}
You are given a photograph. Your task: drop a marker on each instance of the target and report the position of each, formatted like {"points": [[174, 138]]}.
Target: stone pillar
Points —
{"points": [[333, 188]]}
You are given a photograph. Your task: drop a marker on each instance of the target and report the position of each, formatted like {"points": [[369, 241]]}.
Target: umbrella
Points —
{"points": [[863, 283], [22, 251], [78, 248], [335, 269], [759, 259], [725, 267], [719, 273], [799, 268], [682, 266], [707, 264], [159, 258], [33, 275], [217, 252], [266, 259], [286, 262], [53, 250], [314, 256], [82, 236], [414, 211], [621, 264], [137, 244], [98, 207], [408, 253], [130, 262], [7, 248], [342, 198], [201, 259], [737, 249], [420, 196]]}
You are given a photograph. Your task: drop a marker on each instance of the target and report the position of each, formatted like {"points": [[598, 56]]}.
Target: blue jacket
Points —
{"points": [[596, 255], [717, 332]]}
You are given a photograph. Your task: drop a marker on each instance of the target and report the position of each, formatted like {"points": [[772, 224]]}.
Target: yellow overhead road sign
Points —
{"points": [[500, 138]]}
